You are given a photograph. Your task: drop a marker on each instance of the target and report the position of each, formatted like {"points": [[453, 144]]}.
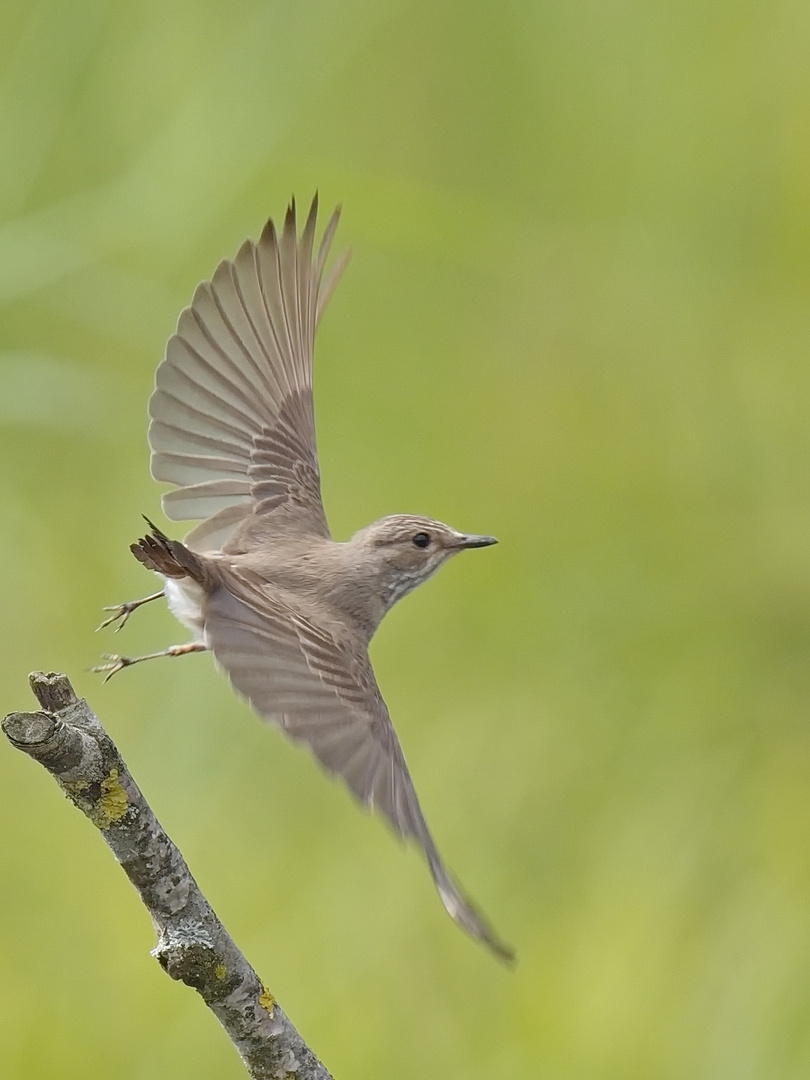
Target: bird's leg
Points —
{"points": [[123, 611], [118, 663]]}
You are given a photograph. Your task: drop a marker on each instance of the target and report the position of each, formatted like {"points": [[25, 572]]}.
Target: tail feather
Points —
{"points": [[167, 557]]}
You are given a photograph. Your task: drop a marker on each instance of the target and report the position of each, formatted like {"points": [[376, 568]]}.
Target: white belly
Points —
{"points": [[185, 599]]}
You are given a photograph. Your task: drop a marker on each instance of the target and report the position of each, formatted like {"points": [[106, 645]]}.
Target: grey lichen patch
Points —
{"points": [[75, 788], [173, 891], [187, 932], [77, 792], [187, 951], [288, 1066]]}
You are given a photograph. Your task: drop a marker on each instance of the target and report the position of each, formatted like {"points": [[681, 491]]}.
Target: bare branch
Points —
{"points": [[193, 945]]}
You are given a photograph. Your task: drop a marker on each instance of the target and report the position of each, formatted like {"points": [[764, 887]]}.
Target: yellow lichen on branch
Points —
{"points": [[112, 804], [267, 1001]]}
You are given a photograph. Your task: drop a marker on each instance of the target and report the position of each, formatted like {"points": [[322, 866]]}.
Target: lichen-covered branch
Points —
{"points": [[193, 945]]}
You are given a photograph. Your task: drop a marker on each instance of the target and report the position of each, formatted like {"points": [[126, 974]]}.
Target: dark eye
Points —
{"points": [[421, 540]]}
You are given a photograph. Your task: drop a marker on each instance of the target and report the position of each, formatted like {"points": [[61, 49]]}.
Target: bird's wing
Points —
{"points": [[321, 690], [232, 423]]}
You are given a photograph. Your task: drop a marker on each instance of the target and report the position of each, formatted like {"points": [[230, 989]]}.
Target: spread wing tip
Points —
{"points": [[462, 911]]}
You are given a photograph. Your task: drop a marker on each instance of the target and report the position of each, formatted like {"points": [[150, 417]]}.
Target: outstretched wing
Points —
{"points": [[320, 688], [232, 421]]}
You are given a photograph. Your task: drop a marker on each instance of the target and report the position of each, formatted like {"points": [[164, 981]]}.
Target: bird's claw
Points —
{"points": [[119, 611], [117, 663]]}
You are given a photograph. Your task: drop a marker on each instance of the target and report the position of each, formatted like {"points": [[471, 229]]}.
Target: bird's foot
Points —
{"points": [[123, 611], [118, 663]]}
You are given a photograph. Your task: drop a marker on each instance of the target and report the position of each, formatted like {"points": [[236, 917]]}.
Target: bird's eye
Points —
{"points": [[421, 540]]}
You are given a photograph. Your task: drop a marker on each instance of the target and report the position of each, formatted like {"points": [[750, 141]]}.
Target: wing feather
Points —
{"points": [[318, 685], [232, 419]]}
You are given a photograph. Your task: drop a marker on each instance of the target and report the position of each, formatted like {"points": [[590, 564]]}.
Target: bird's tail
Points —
{"points": [[461, 909], [167, 557]]}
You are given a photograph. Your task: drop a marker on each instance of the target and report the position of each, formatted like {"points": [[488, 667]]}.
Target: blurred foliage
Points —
{"points": [[576, 317]]}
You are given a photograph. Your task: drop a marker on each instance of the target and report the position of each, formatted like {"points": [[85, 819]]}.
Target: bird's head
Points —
{"points": [[403, 550]]}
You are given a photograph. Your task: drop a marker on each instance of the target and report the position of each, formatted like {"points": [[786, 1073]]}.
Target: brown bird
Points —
{"points": [[287, 612]]}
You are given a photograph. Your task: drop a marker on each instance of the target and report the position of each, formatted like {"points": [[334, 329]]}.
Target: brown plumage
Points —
{"points": [[287, 612]]}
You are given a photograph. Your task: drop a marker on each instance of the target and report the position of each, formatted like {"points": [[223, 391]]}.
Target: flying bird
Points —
{"points": [[287, 611]]}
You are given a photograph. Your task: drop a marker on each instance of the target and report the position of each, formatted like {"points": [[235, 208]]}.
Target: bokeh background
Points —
{"points": [[576, 317]]}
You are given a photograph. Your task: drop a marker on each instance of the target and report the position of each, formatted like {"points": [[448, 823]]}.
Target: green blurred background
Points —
{"points": [[576, 317]]}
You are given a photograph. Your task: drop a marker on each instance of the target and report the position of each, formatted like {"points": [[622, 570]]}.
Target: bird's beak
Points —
{"points": [[476, 541]]}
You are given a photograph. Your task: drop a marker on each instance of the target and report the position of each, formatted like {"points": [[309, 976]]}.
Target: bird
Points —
{"points": [[287, 611]]}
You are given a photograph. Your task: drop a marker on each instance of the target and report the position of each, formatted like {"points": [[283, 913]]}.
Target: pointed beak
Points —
{"points": [[476, 541]]}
